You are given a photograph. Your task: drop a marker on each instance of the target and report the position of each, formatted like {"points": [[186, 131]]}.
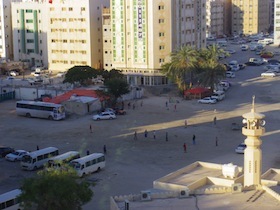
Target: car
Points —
{"points": [[273, 62], [207, 100], [109, 110], [14, 73], [244, 47], [240, 148], [269, 74], [272, 67], [267, 54], [233, 62], [219, 95], [230, 74], [119, 111], [276, 52], [230, 51], [5, 150], [242, 66], [104, 116], [234, 67], [16, 155]]}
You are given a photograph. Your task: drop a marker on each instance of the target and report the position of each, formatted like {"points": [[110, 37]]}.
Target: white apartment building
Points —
{"points": [[142, 34], [215, 18], [74, 33], [6, 44], [276, 22], [30, 24]]}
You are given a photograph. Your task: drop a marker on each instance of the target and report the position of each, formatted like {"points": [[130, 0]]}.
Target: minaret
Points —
{"points": [[253, 129]]}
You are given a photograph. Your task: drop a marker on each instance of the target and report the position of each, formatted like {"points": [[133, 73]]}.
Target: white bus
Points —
{"points": [[40, 109], [88, 164], [38, 158], [9, 200], [63, 158]]}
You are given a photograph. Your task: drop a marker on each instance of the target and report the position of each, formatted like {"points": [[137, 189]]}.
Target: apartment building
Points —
{"points": [[29, 26], [215, 18], [74, 33], [139, 35], [276, 22], [6, 44], [250, 17]]}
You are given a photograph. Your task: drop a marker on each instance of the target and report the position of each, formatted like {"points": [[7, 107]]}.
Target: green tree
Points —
{"points": [[116, 88], [208, 70], [55, 189], [80, 74], [111, 74], [180, 66]]}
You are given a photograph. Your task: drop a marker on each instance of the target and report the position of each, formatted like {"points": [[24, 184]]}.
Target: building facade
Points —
{"points": [[277, 22], [250, 17], [215, 18], [6, 43], [143, 33], [29, 25]]}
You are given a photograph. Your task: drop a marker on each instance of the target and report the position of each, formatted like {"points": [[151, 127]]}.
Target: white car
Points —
{"points": [[207, 100], [234, 67], [16, 155], [104, 116], [230, 51], [230, 74], [240, 148], [244, 47], [14, 73], [269, 74]]}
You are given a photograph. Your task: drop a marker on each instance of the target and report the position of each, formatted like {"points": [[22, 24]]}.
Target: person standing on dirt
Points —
{"points": [[104, 149]]}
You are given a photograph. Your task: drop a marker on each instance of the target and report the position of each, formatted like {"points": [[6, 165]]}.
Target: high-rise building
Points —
{"points": [[143, 33], [6, 44], [30, 23], [277, 22], [250, 17], [215, 18]]}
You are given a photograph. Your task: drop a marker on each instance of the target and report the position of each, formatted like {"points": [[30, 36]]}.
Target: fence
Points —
{"points": [[7, 96]]}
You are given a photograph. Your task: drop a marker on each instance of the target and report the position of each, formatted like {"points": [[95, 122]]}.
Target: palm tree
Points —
{"points": [[208, 69], [181, 63]]}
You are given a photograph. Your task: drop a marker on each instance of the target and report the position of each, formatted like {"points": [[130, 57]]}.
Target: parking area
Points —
{"points": [[132, 165]]}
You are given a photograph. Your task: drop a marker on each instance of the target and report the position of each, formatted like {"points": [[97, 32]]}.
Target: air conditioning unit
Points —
{"points": [[146, 195], [184, 193], [236, 188]]}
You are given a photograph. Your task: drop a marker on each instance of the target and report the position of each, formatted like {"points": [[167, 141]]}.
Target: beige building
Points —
{"points": [[277, 22], [6, 44], [140, 35], [29, 25], [215, 18], [74, 33], [250, 17]]}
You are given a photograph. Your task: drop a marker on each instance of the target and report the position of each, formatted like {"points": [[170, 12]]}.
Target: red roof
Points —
{"points": [[76, 92], [197, 90]]}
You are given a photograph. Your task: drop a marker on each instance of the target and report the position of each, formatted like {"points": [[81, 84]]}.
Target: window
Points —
{"points": [[29, 21], [70, 9], [161, 34], [28, 11], [161, 47], [160, 7], [161, 21], [30, 41]]}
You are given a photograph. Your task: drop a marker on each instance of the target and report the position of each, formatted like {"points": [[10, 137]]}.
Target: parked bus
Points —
{"points": [[88, 164], [40, 109], [63, 158], [9, 200], [38, 158]]}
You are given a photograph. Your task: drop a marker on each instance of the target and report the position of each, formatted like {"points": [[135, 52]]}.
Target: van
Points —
{"points": [[219, 95]]}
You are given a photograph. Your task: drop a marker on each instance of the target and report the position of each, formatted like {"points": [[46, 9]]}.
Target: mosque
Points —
{"points": [[203, 185]]}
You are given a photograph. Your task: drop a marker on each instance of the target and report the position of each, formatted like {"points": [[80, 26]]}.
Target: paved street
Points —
{"points": [[133, 165]]}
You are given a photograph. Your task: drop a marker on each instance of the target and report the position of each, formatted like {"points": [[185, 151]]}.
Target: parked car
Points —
{"points": [[104, 116], [16, 155], [244, 47], [269, 74], [219, 95], [242, 66], [5, 150], [230, 51], [240, 148], [230, 74], [273, 62], [207, 100], [14, 73], [234, 67], [272, 67], [119, 111]]}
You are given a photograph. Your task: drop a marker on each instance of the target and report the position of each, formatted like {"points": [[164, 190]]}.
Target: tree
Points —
{"points": [[55, 189], [80, 74], [180, 65], [208, 70], [116, 88]]}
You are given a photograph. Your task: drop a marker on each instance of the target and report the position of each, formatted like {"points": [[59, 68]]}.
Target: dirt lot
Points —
{"points": [[132, 165]]}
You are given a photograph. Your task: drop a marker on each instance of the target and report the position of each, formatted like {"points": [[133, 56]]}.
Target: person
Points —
{"points": [[186, 123], [104, 149], [193, 139], [128, 105], [175, 107], [154, 134], [90, 128], [166, 136], [185, 147], [166, 104], [216, 141], [135, 135], [146, 133], [215, 120], [133, 106], [87, 152], [37, 147]]}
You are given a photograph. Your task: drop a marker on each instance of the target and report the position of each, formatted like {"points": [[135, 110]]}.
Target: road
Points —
{"points": [[133, 165]]}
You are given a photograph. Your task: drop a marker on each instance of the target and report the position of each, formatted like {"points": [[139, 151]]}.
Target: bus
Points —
{"points": [[66, 157], [9, 200], [38, 158], [88, 164], [40, 109]]}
